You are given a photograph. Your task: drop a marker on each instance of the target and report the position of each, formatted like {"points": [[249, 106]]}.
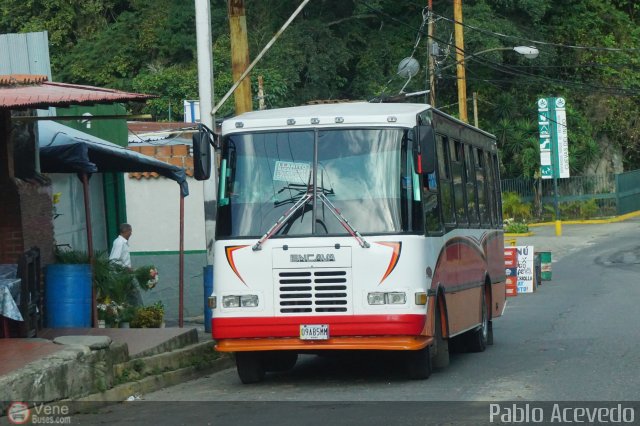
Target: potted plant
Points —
{"points": [[126, 316], [149, 316]]}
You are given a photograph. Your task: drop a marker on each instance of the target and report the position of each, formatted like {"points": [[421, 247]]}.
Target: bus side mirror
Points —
{"points": [[427, 148], [202, 142]]}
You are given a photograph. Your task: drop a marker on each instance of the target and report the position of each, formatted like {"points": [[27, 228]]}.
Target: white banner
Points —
{"points": [[563, 138], [525, 269]]}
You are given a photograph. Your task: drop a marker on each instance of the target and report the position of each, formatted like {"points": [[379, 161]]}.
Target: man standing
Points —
{"points": [[120, 250]]}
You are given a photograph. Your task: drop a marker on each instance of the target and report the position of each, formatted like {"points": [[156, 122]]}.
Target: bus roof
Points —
{"points": [[327, 115]]}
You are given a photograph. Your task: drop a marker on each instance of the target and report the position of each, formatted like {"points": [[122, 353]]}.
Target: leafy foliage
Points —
{"points": [[340, 49]]}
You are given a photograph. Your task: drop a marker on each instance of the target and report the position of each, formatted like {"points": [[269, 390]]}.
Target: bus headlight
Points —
{"points": [[375, 298], [396, 298], [391, 298], [249, 301], [244, 301], [231, 302]]}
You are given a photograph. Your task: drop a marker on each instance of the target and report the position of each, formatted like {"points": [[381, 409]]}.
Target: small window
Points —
{"points": [[459, 189], [470, 173], [446, 190], [483, 209]]}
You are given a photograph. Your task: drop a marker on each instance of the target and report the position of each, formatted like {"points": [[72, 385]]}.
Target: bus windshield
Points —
{"points": [[264, 174]]}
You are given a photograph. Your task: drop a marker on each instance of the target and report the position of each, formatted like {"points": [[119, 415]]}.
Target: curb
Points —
{"points": [[590, 221], [150, 384]]}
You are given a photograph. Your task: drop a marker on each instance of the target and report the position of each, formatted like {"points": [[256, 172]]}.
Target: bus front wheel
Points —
{"points": [[250, 367], [419, 363]]}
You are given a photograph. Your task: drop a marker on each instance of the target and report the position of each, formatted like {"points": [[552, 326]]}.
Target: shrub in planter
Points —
{"points": [[148, 316]]}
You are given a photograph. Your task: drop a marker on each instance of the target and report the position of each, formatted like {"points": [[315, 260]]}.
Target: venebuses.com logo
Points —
{"points": [[18, 413]]}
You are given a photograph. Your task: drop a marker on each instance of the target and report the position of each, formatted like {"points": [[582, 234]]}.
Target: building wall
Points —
{"points": [[69, 221], [153, 210]]}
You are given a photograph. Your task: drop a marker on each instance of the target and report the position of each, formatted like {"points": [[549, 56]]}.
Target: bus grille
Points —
{"points": [[313, 291]]}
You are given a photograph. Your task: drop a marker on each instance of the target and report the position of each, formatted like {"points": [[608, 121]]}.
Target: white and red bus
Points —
{"points": [[355, 226]]}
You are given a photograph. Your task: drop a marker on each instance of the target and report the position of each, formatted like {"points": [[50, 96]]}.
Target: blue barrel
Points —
{"points": [[68, 296], [208, 289]]}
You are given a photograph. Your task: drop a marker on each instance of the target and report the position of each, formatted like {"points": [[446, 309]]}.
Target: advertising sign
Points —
{"points": [[525, 269]]}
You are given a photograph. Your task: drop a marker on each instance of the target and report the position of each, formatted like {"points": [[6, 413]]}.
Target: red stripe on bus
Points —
{"points": [[347, 325]]}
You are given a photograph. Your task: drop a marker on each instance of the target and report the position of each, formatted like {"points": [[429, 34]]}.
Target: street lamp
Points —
{"points": [[528, 52]]}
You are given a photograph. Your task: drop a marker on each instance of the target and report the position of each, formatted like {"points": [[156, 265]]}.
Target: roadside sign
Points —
{"points": [[554, 140], [525, 269]]}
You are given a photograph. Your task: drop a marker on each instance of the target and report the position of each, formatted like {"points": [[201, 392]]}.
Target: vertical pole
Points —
{"points": [[181, 265], [432, 64], [462, 82], [239, 54], [87, 214], [261, 104], [475, 109], [205, 92]]}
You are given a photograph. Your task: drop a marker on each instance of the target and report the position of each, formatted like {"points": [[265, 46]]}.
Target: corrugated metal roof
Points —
{"points": [[17, 93], [25, 53]]}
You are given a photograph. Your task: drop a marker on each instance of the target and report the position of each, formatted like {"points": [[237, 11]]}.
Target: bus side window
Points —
{"points": [[478, 158], [457, 170], [470, 174], [491, 201], [498, 189], [446, 190]]}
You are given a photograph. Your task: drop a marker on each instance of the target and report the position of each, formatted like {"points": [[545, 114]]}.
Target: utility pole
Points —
{"points": [[204, 46], [239, 54], [432, 64], [462, 82]]}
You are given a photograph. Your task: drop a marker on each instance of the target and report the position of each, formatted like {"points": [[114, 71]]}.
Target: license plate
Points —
{"points": [[314, 332]]}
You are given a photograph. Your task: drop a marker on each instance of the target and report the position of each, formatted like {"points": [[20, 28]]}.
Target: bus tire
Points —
{"points": [[477, 339], [440, 345], [279, 360], [250, 367], [419, 363]]}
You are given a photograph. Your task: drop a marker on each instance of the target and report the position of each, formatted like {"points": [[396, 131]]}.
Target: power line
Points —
{"points": [[543, 43]]}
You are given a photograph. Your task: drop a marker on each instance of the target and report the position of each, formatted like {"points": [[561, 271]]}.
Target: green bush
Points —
{"points": [[148, 316], [516, 228], [514, 208]]}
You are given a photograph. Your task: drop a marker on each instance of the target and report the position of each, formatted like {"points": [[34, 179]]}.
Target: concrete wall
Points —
{"points": [[69, 221], [153, 212], [153, 209]]}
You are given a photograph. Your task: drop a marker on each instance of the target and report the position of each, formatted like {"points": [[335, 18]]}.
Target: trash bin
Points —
{"points": [[68, 296], [208, 289], [545, 265], [537, 267]]}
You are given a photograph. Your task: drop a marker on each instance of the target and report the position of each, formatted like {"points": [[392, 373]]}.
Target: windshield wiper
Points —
{"points": [[283, 219], [343, 221]]}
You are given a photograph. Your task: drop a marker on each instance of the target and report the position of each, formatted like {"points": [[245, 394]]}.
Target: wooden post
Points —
{"points": [[239, 54], [462, 82], [87, 213]]}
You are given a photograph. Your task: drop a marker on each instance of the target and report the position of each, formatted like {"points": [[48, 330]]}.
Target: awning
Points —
{"points": [[66, 150]]}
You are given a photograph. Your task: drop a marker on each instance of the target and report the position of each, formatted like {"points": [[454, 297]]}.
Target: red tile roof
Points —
{"points": [[177, 155], [19, 91]]}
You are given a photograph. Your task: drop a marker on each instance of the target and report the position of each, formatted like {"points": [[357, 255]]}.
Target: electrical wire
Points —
{"points": [[538, 42]]}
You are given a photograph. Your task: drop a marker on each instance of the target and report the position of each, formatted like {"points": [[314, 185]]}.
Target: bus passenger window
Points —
{"points": [[470, 174], [458, 183], [446, 190], [480, 181]]}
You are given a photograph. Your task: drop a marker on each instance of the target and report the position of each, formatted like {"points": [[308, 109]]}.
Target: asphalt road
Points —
{"points": [[576, 339]]}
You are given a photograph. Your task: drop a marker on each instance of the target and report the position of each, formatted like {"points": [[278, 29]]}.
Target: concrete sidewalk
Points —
{"points": [[105, 365]]}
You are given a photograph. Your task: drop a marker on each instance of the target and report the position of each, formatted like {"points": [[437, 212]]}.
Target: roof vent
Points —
{"points": [[315, 120], [392, 119], [239, 124], [291, 121], [339, 119]]}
